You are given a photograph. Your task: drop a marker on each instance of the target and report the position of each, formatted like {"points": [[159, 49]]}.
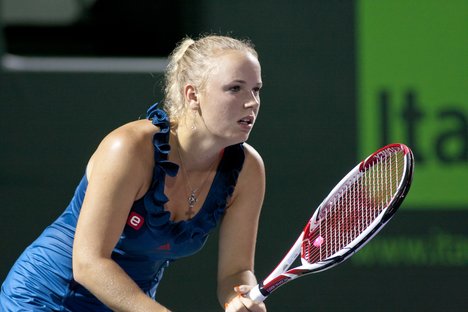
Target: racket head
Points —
{"points": [[357, 208], [374, 190]]}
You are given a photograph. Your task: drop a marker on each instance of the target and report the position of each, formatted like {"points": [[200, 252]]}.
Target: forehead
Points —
{"points": [[235, 64]]}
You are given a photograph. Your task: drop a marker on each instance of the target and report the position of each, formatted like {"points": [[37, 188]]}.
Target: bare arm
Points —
{"points": [[238, 235], [117, 175]]}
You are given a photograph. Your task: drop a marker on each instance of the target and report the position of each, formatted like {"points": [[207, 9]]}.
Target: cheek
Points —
{"points": [[217, 115], [219, 118], [219, 106]]}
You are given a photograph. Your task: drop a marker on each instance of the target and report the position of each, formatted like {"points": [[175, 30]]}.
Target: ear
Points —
{"points": [[191, 97]]}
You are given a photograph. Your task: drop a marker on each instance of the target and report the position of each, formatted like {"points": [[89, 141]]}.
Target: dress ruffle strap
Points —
{"points": [[160, 119]]}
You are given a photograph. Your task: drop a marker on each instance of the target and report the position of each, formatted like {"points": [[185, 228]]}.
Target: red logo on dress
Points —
{"points": [[165, 247], [135, 220]]}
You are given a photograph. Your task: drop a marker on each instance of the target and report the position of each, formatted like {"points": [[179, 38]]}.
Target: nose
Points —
{"points": [[254, 100]]}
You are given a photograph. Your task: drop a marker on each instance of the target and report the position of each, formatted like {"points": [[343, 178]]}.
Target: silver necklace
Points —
{"points": [[192, 199]]}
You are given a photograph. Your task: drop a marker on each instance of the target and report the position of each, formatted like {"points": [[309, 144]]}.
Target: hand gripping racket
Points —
{"points": [[354, 211]]}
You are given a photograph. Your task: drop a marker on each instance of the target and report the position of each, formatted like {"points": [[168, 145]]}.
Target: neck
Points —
{"points": [[197, 153]]}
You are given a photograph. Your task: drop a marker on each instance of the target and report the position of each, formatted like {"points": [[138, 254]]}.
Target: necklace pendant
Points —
{"points": [[192, 199]]}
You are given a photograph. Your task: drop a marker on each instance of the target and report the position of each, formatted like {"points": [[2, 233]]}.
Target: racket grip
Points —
{"points": [[255, 294]]}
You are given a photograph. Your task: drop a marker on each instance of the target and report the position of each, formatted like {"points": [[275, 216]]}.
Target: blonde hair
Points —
{"points": [[191, 62]]}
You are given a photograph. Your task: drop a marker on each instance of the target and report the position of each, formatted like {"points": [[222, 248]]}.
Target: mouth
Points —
{"points": [[247, 121]]}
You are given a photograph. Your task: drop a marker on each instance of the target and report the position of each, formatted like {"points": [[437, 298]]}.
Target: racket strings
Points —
{"points": [[354, 206]]}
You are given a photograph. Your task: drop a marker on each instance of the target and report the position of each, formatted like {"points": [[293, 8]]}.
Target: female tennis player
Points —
{"points": [[153, 190]]}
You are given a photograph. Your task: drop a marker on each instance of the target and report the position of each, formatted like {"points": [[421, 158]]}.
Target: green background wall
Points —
{"points": [[308, 135]]}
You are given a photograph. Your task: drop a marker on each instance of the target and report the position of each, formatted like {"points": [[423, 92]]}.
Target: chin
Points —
{"points": [[232, 140], [243, 138]]}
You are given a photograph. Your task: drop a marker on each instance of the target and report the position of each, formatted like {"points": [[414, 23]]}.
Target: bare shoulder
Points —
{"points": [[134, 133], [253, 163], [251, 181], [128, 140], [128, 148]]}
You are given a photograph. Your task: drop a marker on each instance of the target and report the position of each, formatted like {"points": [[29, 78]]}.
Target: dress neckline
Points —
{"points": [[158, 219]]}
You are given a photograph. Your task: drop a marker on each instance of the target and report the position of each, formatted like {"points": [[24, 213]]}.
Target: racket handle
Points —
{"points": [[256, 295]]}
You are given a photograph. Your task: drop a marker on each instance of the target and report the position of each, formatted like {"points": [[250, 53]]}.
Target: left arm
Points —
{"points": [[238, 235]]}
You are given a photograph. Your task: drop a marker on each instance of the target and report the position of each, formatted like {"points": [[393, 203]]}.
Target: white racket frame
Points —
{"points": [[282, 274]]}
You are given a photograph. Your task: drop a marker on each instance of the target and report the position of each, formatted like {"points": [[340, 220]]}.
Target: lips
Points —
{"points": [[247, 120]]}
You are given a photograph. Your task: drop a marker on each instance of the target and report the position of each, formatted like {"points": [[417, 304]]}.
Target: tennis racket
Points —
{"points": [[349, 217]]}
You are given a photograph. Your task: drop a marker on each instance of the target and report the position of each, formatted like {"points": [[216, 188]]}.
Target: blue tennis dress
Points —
{"points": [[42, 279]]}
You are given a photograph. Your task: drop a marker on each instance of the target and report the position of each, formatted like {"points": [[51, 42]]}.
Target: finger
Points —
{"points": [[242, 289], [235, 305], [252, 306]]}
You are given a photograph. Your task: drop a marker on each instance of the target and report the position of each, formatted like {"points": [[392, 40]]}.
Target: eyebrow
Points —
{"points": [[244, 82]]}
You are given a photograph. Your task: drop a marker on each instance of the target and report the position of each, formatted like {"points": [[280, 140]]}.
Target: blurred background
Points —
{"points": [[341, 78]]}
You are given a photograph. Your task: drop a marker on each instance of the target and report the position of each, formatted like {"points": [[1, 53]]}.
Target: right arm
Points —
{"points": [[118, 174]]}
